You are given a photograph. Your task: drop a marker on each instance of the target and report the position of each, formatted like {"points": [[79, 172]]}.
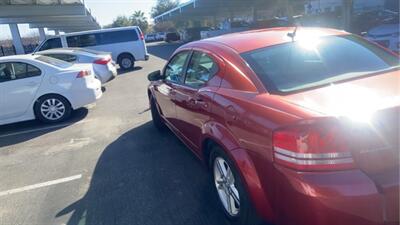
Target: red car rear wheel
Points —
{"points": [[230, 190]]}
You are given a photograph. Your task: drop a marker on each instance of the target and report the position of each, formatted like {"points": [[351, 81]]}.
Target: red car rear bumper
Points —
{"points": [[344, 197]]}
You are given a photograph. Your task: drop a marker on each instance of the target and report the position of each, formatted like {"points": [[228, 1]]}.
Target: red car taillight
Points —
{"points": [[84, 73], [312, 147], [103, 61]]}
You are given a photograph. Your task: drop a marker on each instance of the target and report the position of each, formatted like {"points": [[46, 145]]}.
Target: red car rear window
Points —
{"points": [[311, 62]]}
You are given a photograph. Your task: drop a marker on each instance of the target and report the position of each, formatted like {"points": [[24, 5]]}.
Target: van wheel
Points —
{"points": [[52, 109], [126, 62]]}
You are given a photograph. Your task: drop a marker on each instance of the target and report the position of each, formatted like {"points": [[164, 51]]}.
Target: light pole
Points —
{"points": [[346, 14]]}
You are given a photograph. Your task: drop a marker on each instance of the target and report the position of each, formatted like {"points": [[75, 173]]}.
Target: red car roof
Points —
{"points": [[255, 39]]}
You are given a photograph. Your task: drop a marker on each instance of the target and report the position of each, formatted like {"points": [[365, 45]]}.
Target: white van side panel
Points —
{"points": [[136, 48]]}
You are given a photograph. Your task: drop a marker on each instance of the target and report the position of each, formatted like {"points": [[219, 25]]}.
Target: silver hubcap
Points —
{"points": [[52, 109], [126, 63], [225, 184]]}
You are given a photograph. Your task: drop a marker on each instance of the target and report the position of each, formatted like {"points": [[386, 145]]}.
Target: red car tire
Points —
{"points": [[246, 214]]}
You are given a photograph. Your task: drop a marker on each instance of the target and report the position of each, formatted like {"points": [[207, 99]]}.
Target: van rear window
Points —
{"points": [[118, 36], [104, 38], [51, 44]]}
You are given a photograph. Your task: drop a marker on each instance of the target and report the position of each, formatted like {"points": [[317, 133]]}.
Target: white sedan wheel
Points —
{"points": [[52, 109]]}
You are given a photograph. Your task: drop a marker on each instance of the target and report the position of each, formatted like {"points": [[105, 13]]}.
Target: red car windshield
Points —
{"points": [[310, 63]]}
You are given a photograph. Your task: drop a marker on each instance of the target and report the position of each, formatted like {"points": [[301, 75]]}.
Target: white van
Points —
{"points": [[126, 44]]}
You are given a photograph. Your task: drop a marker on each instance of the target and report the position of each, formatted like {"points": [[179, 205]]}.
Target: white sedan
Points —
{"points": [[44, 88], [103, 66]]}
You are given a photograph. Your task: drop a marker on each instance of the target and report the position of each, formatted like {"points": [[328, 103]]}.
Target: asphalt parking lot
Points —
{"points": [[107, 165]]}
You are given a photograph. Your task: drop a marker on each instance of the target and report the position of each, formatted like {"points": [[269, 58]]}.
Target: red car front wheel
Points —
{"points": [[157, 120]]}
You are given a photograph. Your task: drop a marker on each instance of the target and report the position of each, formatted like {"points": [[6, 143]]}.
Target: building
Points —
{"points": [[326, 6]]}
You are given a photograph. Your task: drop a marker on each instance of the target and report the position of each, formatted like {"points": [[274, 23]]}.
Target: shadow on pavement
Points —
{"points": [[121, 72], [147, 178], [20, 132], [163, 50]]}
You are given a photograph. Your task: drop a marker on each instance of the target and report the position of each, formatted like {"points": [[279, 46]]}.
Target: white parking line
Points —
{"points": [[40, 185], [41, 129]]}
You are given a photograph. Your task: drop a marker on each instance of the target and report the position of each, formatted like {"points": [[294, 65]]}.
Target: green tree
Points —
{"points": [[167, 26], [163, 6], [139, 19], [120, 21]]}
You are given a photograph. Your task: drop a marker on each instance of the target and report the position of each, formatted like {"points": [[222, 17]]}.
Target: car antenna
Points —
{"points": [[293, 34]]}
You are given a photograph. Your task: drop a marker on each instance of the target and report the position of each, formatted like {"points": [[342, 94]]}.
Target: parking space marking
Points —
{"points": [[41, 129], [40, 185]]}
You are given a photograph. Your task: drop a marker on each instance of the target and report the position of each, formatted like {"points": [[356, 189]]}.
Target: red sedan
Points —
{"points": [[298, 126]]}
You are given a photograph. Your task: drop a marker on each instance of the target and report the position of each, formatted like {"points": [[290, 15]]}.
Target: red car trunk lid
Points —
{"points": [[369, 110], [376, 152]]}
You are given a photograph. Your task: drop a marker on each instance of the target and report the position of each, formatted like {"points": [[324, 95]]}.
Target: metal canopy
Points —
{"points": [[38, 2], [46, 19], [201, 10], [57, 15], [210, 8], [55, 12]]}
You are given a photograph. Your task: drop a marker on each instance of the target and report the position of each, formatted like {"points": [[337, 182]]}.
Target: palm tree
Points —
{"points": [[138, 18], [120, 21]]}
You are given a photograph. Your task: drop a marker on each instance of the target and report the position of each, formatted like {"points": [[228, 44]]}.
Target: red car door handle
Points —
{"points": [[198, 101]]}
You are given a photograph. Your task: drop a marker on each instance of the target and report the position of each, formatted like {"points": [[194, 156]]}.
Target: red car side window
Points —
{"points": [[174, 71], [200, 70]]}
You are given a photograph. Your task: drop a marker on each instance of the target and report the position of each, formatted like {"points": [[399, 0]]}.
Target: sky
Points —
{"points": [[104, 11]]}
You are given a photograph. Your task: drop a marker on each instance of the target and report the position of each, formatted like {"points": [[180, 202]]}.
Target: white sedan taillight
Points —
{"points": [[84, 73], [313, 147], [103, 61]]}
